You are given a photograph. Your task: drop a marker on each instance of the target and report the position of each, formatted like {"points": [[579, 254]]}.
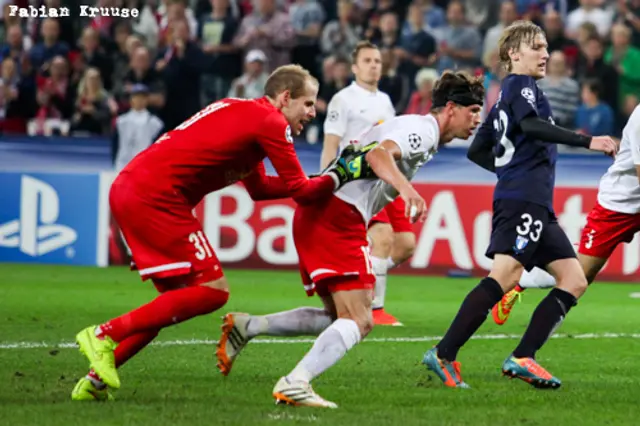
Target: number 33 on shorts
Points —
{"points": [[530, 227]]}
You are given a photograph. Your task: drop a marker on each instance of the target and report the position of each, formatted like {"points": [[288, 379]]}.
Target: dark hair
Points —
{"points": [[364, 44], [458, 82], [594, 86], [293, 78], [341, 59]]}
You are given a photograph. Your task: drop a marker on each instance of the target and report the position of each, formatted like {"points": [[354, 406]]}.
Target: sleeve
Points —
{"points": [[522, 95], [263, 187], [337, 115], [277, 142], [481, 148], [412, 138]]}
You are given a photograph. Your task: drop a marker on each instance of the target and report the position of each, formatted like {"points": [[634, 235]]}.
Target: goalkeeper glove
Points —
{"points": [[350, 165]]}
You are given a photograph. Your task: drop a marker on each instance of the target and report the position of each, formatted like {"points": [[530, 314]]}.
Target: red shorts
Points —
{"points": [[393, 214], [167, 243], [331, 240], [605, 229]]}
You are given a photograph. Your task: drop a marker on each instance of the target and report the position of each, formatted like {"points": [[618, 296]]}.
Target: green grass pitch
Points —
{"points": [[380, 382]]}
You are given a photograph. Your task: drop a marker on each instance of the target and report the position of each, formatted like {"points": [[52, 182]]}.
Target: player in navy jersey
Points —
{"points": [[518, 141]]}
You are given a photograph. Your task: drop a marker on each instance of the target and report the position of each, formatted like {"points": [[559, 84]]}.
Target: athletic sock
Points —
{"points": [[297, 322], [379, 267], [330, 346], [472, 313], [169, 308], [545, 320]]}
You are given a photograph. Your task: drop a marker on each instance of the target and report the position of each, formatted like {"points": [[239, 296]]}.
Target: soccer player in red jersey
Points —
{"points": [[153, 198]]}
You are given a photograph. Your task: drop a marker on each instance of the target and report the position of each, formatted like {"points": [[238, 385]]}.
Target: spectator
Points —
{"points": [[50, 46], [307, 17], [17, 100], [434, 16], [562, 91], [147, 24], [120, 57], [393, 83], [417, 47], [66, 24], [140, 72], [626, 60], [386, 37], [328, 84], [176, 10], [460, 44], [222, 59], [340, 76], [589, 11], [94, 55], [55, 95], [586, 32], [251, 84], [94, 106], [554, 30], [592, 66], [420, 101], [181, 67], [269, 30], [103, 24], [339, 37], [628, 13], [16, 46], [594, 117], [508, 15], [136, 129]]}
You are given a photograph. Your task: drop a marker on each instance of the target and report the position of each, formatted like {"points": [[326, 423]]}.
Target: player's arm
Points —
{"points": [[634, 140], [335, 127], [276, 141], [481, 149], [524, 108], [382, 161], [262, 187]]}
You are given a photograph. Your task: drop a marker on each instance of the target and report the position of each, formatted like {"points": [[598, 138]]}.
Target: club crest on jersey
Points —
{"points": [[415, 141], [520, 245], [333, 116], [287, 134], [528, 94]]}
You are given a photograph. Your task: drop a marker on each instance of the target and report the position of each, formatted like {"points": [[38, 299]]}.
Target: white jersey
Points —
{"points": [[417, 136], [619, 187], [353, 110]]}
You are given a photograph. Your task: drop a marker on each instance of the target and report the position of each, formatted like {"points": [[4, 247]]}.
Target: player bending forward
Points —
{"points": [[152, 200], [613, 220], [525, 232], [331, 240]]}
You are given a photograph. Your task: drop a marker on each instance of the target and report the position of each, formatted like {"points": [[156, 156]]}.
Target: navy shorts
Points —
{"points": [[529, 233]]}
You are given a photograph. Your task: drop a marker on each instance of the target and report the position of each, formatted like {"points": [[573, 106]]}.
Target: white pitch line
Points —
{"points": [[194, 342]]}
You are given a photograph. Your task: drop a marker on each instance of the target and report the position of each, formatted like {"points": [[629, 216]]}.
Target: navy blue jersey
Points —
{"points": [[525, 167]]}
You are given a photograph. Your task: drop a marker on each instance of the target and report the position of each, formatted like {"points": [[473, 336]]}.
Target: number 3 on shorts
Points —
{"points": [[201, 244], [524, 228]]}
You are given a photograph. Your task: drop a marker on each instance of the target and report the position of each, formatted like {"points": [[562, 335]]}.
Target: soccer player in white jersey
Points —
{"points": [[331, 239], [351, 112], [613, 220]]}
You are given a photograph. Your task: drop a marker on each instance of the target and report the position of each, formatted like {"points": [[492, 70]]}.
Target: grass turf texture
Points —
{"points": [[380, 382]]}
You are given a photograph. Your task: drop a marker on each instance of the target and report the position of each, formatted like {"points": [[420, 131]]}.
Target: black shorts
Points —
{"points": [[529, 233]]}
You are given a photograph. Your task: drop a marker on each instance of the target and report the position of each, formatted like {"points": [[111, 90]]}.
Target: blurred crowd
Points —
{"points": [[134, 77]]}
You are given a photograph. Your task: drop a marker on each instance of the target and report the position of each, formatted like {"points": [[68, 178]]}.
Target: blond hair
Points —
{"points": [[513, 36], [293, 78], [363, 44]]}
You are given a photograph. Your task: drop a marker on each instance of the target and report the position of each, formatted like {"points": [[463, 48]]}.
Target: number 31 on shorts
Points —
{"points": [[201, 244], [525, 228]]}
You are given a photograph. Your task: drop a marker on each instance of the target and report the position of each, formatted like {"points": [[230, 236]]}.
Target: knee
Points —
{"points": [[381, 240], [364, 321], [219, 284], [405, 250], [576, 284]]}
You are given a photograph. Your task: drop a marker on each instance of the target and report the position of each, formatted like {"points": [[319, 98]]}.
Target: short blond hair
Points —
{"points": [[513, 36], [293, 78], [363, 44]]}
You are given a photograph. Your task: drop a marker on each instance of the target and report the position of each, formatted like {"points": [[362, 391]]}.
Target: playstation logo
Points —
{"points": [[36, 232]]}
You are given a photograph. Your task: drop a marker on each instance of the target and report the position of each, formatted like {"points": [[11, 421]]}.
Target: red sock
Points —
{"points": [[169, 308]]}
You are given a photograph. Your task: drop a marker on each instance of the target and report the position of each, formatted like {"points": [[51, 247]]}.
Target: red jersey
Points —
{"points": [[224, 143]]}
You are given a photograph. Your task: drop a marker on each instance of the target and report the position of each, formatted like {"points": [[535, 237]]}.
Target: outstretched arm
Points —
{"points": [[481, 149]]}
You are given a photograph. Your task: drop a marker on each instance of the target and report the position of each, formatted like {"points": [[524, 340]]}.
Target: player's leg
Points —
{"points": [[536, 278], [510, 249], [352, 299], [404, 245], [557, 253], [381, 237], [239, 328]]}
